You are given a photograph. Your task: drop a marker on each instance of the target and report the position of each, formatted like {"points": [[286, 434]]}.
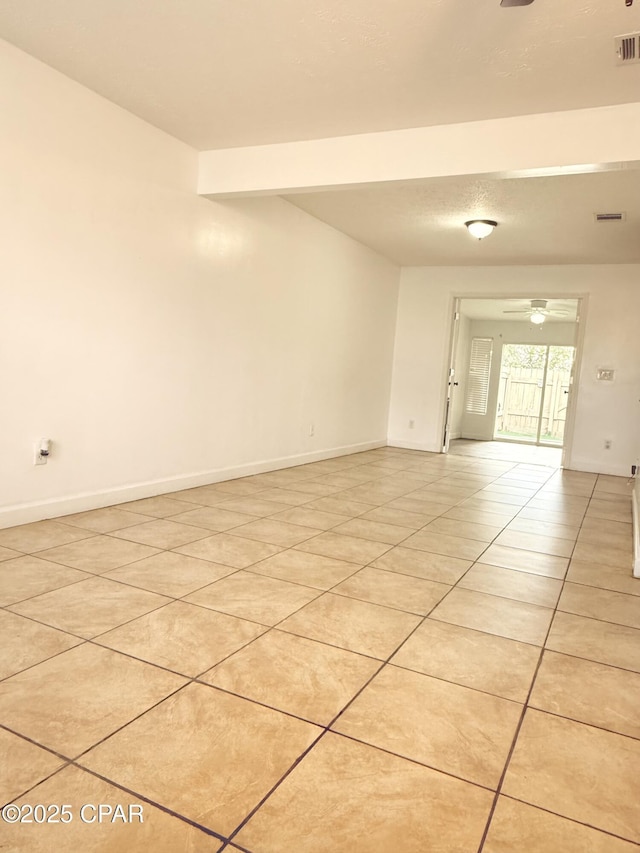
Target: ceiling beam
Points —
{"points": [[546, 143]]}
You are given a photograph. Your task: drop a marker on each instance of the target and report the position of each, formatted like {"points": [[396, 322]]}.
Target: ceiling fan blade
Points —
{"points": [[525, 311], [515, 2]]}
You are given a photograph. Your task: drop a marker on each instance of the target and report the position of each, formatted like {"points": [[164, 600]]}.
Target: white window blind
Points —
{"points": [[479, 371]]}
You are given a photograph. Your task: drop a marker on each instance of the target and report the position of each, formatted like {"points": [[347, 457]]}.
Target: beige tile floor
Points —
{"points": [[388, 651]]}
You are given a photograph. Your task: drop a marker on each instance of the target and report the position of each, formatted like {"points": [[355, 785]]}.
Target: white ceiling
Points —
{"points": [[225, 73], [560, 310], [542, 220]]}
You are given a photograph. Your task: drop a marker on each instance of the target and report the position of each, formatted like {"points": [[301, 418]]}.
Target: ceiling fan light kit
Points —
{"points": [[480, 228]]}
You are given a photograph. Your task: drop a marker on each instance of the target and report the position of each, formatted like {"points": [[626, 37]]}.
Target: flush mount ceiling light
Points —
{"points": [[480, 228]]}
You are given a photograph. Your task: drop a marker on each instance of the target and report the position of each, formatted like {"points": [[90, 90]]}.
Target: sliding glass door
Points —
{"points": [[533, 393]]}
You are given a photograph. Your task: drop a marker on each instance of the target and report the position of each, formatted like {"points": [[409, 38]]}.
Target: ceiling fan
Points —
{"points": [[538, 312], [515, 2]]}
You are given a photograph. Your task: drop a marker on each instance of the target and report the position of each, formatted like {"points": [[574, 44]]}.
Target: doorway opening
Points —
{"points": [[533, 392], [510, 375]]}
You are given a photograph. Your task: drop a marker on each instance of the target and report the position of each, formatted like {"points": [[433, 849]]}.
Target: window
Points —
{"points": [[479, 371]]}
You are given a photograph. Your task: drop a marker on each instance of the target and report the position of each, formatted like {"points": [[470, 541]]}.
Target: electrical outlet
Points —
{"points": [[41, 451], [607, 444]]}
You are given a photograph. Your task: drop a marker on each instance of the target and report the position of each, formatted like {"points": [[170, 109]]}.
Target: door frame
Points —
{"points": [[453, 342]]}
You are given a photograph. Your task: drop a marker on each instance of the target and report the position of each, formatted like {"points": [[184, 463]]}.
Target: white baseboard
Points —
{"points": [[635, 500], [37, 511]]}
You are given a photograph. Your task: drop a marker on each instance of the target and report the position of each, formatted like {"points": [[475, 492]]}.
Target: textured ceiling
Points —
{"points": [[560, 310], [226, 73], [542, 220]]}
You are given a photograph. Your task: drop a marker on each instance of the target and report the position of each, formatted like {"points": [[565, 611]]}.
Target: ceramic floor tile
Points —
{"points": [[200, 495], [578, 772], [302, 677], [509, 583], [182, 637], [170, 751], [98, 554], [24, 577], [254, 597], [25, 643], [536, 542], [554, 516], [605, 577], [159, 507], [588, 692], [600, 604], [349, 548], [307, 569], [515, 620], [422, 564], [23, 765], [443, 725], [470, 658], [90, 607], [399, 517], [439, 543], [243, 486], [9, 554], [288, 497], [526, 561], [484, 504], [309, 517], [403, 592], [603, 642], [212, 518], [276, 532], [619, 537], [229, 550], [161, 533], [340, 506], [478, 516], [420, 505], [362, 800], [83, 695], [104, 520], [313, 489], [377, 531], [608, 511], [168, 573], [358, 626], [603, 525], [589, 553], [255, 506], [544, 528], [464, 529], [157, 830], [29, 538], [517, 826]]}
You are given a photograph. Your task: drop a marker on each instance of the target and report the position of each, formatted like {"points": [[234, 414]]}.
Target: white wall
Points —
{"points": [[603, 410], [159, 339], [508, 332]]}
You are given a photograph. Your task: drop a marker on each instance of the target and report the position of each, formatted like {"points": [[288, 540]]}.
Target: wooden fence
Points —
{"points": [[519, 396]]}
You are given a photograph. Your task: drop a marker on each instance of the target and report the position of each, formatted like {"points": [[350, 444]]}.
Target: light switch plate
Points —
{"points": [[605, 373]]}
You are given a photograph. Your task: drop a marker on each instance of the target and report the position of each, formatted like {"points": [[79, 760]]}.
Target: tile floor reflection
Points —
{"points": [[387, 651]]}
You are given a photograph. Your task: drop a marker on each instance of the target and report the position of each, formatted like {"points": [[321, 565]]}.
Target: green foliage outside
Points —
{"points": [[533, 356]]}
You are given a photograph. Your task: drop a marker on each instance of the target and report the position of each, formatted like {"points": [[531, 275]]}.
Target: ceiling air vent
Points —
{"points": [[610, 217], [627, 48]]}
